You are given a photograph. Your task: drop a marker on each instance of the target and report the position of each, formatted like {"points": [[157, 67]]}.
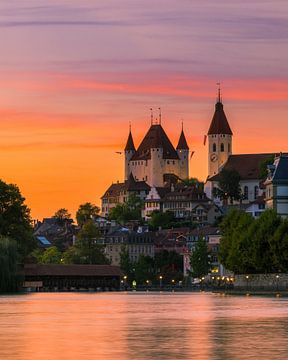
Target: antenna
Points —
{"points": [[160, 115], [129, 126], [219, 99], [151, 110]]}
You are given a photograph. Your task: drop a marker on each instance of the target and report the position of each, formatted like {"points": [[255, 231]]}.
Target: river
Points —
{"points": [[46, 326]]}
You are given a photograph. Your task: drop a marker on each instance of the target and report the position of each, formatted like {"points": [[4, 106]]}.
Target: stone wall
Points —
{"points": [[269, 282]]}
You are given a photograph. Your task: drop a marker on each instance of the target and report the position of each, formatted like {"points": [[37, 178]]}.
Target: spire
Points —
{"points": [[219, 98], [182, 143], [130, 143], [219, 123]]}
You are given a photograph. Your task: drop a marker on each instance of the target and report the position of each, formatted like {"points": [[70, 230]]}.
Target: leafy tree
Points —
{"points": [[130, 210], [125, 262], [161, 220], [86, 212], [228, 186], [144, 269], [62, 215], [194, 182], [86, 250], [15, 220], [279, 247], [9, 278], [235, 246], [200, 265], [51, 256], [263, 172], [261, 232]]}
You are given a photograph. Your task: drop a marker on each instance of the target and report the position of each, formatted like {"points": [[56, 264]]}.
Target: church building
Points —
{"points": [[220, 157]]}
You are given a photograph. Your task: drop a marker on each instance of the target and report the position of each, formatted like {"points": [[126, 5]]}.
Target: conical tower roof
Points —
{"points": [[219, 124], [182, 143], [130, 143]]}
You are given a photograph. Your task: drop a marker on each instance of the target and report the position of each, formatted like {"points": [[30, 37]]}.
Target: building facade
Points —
{"points": [[156, 156]]}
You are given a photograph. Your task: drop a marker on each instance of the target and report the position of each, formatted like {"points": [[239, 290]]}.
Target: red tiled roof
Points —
{"points": [[155, 138], [219, 124], [182, 143], [247, 165], [71, 270]]}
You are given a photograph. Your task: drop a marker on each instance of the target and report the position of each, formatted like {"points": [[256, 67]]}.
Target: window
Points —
{"points": [[214, 147], [256, 192], [245, 192], [229, 147], [222, 147]]}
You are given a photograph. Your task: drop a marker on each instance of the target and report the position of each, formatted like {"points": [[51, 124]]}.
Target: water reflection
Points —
{"points": [[142, 326]]}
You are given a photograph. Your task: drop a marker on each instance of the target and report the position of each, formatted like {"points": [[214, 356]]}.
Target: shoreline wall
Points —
{"points": [[269, 282]]}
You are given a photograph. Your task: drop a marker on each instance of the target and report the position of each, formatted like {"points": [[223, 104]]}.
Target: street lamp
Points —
{"points": [[277, 282], [160, 281], [247, 279]]}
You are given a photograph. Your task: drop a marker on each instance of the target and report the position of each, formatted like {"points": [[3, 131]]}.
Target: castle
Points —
{"points": [[156, 162], [156, 157]]}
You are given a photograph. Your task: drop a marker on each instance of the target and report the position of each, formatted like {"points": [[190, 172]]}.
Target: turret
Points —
{"points": [[219, 139], [183, 153], [129, 151]]}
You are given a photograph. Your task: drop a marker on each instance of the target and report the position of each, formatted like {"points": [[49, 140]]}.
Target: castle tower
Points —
{"points": [[183, 153], [129, 151], [219, 139]]}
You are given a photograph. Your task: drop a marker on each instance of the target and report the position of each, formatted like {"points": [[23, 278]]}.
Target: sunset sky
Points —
{"points": [[73, 73]]}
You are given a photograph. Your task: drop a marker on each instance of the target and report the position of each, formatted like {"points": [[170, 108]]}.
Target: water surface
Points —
{"points": [[48, 326]]}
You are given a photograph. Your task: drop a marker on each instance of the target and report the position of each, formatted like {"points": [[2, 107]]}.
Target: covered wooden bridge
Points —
{"points": [[71, 277]]}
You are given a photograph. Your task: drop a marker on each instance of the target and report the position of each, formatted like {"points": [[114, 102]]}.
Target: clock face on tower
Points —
{"points": [[213, 157]]}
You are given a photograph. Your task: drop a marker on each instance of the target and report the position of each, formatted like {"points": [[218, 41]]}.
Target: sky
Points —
{"points": [[74, 73]]}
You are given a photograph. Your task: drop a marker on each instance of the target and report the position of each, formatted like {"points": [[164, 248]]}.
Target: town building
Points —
{"points": [[119, 193], [137, 243], [276, 195]]}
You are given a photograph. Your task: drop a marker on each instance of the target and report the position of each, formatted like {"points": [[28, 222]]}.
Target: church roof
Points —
{"points": [[182, 143], [219, 124], [130, 143], [155, 138], [247, 165]]}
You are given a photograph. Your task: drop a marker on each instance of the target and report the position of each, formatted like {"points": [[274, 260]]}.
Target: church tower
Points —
{"points": [[183, 153], [219, 139], [129, 151]]}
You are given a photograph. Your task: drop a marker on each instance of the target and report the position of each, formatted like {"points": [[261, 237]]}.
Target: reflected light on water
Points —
{"points": [[48, 326]]}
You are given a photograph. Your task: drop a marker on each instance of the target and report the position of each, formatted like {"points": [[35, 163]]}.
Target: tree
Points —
{"points": [[199, 259], [144, 269], [15, 220], [279, 247], [130, 210], [86, 212], [194, 182], [125, 262], [9, 277], [228, 186], [51, 256], [261, 232], [263, 171], [161, 220], [86, 250], [62, 215]]}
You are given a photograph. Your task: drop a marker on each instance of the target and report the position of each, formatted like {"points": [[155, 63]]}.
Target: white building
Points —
{"points": [[156, 157], [220, 157], [277, 186]]}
